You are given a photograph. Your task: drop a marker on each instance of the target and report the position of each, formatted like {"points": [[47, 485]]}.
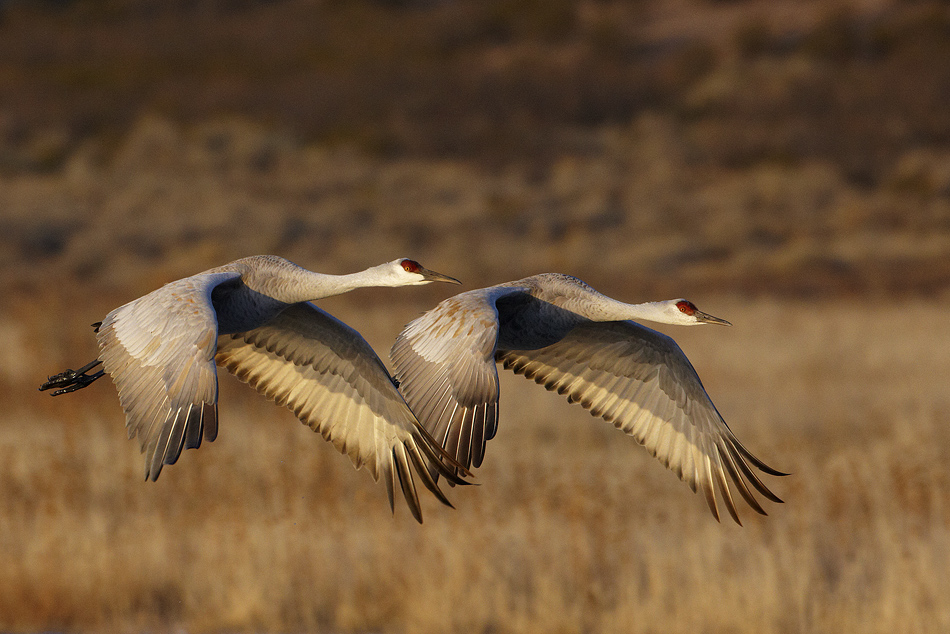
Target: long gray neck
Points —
{"points": [[303, 285], [270, 284], [312, 286], [649, 311], [574, 295], [286, 282], [584, 300]]}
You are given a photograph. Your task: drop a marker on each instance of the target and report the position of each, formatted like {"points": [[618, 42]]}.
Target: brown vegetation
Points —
{"points": [[573, 527], [784, 165]]}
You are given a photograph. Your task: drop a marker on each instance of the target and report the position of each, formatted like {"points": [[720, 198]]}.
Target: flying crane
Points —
{"points": [[253, 316], [560, 332]]}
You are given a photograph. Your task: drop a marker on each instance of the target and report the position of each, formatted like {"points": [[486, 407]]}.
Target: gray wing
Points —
{"points": [[159, 351], [334, 382], [445, 362], [641, 381]]}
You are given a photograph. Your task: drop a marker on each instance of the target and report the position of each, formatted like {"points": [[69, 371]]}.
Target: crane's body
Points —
{"points": [[253, 317], [557, 330]]}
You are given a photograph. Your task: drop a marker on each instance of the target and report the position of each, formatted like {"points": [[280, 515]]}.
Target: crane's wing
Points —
{"points": [[323, 370], [159, 350], [641, 381], [445, 363]]}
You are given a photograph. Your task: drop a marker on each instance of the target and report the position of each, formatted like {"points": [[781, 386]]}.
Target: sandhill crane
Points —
{"points": [[559, 331], [253, 317]]}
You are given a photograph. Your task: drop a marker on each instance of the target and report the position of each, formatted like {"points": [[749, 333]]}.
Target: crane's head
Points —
{"points": [[406, 272], [684, 312]]}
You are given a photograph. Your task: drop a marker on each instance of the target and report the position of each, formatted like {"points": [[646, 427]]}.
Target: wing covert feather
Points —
{"points": [[159, 350], [445, 364]]}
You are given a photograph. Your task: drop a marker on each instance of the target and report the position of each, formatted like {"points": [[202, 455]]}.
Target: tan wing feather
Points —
{"points": [[334, 382], [445, 363], [641, 381], [159, 350]]}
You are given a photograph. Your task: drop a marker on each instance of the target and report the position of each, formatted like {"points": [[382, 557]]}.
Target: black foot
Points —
{"points": [[72, 380]]}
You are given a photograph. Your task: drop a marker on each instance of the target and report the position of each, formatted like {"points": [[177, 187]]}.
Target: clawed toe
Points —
{"points": [[80, 382], [71, 380]]}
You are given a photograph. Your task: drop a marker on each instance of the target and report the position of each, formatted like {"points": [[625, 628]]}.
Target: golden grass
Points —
{"points": [[732, 182], [574, 528]]}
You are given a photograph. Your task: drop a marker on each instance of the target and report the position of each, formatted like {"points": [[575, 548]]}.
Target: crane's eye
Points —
{"points": [[686, 307], [410, 266]]}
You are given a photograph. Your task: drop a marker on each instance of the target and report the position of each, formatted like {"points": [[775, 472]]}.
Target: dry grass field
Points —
{"points": [[785, 165], [573, 527]]}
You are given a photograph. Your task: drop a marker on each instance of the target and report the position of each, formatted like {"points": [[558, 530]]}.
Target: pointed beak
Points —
{"points": [[432, 276], [706, 318]]}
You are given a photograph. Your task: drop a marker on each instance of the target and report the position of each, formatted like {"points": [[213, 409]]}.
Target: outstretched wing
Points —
{"points": [[445, 363], [331, 378], [159, 350], [641, 381]]}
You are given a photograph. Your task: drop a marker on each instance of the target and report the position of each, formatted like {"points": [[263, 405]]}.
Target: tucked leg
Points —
{"points": [[72, 380]]}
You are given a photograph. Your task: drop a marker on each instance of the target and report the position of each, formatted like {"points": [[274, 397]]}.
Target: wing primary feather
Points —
{"points": [[194, 430], [406, 482], [708, 486], [161, 444], [211, 422], [420, 466], [491, 427], [729, 462], [389, 479], [478, 435], [451, 444], [757, 483], [435, 450], [465, 437], [751, 458], [176, 438], [437, 459], [153, 456], [720, 476]]}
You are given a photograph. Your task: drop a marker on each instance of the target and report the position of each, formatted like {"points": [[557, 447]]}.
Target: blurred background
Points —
{"points": [[785, 165]]}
